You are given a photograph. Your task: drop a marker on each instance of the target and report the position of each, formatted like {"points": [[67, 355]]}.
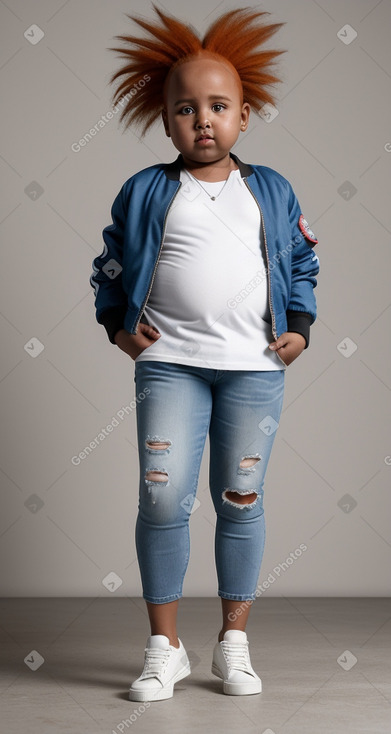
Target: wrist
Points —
{"points": [[302, 340], [299, 322]]}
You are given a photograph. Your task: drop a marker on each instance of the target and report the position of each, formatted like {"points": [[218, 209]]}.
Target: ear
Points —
{"points": [[165, 122], [245, 116]]}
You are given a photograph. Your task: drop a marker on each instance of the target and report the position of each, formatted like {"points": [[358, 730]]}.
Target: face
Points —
{"points": [[203, 112]]}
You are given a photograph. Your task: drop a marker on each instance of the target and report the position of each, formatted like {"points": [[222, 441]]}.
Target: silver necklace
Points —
{"points": [[213, 198]]}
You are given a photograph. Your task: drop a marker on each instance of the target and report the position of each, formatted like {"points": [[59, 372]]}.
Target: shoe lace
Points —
{"points": [[155, 661], [236, 655]]}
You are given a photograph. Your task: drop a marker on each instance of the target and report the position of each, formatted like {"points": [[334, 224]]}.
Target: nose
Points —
{"points": [[202, 122]]}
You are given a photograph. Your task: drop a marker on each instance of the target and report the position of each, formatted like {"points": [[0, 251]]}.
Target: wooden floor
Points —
{"points": [[66, 666]]}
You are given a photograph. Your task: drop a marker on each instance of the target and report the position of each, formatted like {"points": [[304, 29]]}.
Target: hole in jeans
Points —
{"points": [[158, 445], [249, 461], [156, 476], [240, 499]]}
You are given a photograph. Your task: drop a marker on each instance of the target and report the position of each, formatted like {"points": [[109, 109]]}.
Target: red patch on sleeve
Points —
{"points": [[306, 231]]}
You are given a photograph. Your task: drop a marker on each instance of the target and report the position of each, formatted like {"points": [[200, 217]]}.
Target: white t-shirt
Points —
{"points": [[209, 297]]}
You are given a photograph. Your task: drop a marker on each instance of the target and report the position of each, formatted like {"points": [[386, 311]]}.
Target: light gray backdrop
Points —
{"points": [[67, 528]]}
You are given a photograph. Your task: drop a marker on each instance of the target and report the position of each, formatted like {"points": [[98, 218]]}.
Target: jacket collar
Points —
{"points": [[172, 170]]}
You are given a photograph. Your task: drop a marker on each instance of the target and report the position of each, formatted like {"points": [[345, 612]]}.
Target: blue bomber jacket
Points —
{"points": [[123, 274]]}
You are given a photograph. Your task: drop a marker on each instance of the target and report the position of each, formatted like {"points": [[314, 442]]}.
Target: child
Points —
{"points": [[206, 281]]}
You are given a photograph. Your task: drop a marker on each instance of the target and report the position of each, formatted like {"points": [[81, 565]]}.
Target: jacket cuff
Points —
{"points": [[300, 322], [113, 320]]}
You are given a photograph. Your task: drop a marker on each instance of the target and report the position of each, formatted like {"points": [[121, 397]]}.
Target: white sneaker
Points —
{"points": [[164, 665], [231, 662]]}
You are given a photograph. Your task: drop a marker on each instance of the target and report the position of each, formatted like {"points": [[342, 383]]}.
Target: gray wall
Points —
{"points": [[65, 528]]}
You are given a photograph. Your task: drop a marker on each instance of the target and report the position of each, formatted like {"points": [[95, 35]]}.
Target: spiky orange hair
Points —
{"points": [[234, 37]]}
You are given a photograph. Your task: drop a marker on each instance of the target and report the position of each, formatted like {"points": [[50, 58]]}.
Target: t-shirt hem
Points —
{"points": [[213, 365]]}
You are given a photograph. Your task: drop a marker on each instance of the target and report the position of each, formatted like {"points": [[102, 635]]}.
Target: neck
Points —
{"points": [[216, 171]]}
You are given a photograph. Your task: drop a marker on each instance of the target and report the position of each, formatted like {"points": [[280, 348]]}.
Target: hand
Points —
{"points": [[134, 344], [289, 345]]}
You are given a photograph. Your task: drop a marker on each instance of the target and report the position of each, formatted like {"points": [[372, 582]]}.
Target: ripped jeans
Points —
{"points": [[241, 410]]}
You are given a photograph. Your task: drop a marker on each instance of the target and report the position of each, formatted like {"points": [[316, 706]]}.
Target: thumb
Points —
{"points": [[282, 341], [149, 331], [153, 333]]}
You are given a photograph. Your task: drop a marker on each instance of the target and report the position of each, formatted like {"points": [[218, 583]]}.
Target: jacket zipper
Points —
{"points": [[158, 257], [274, 331]]}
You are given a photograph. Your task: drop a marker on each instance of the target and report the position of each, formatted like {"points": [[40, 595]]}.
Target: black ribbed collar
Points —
{"points": [[172, 170]]}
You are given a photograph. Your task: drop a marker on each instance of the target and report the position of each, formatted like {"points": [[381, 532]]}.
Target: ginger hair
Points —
{"points": [[234, 37]]}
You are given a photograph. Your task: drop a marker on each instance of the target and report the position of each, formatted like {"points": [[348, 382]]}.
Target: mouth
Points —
{"points": [[203, 138]]}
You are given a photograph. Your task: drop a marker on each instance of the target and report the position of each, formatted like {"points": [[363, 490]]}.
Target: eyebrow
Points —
{"points": [[211, 96]]}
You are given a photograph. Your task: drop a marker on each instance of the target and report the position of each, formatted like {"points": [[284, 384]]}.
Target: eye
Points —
{"points": [[218, 104], [186, 110]]}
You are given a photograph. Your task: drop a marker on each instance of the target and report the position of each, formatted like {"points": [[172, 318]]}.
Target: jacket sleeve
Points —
{"points": [[301, 311], [110, 299]]}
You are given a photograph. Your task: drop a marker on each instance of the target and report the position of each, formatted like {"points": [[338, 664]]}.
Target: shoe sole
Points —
{"points": [[237, 689], [159, 694]]}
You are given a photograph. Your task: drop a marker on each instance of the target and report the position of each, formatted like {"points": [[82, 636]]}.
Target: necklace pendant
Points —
{"points": [[213, 198]]}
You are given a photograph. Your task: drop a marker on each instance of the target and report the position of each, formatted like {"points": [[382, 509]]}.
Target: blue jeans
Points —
{"points": [[241, 410]]}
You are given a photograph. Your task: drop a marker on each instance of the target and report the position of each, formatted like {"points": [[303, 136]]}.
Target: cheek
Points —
{"points": [[183, 126], [231, 120], [230, 125]]}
